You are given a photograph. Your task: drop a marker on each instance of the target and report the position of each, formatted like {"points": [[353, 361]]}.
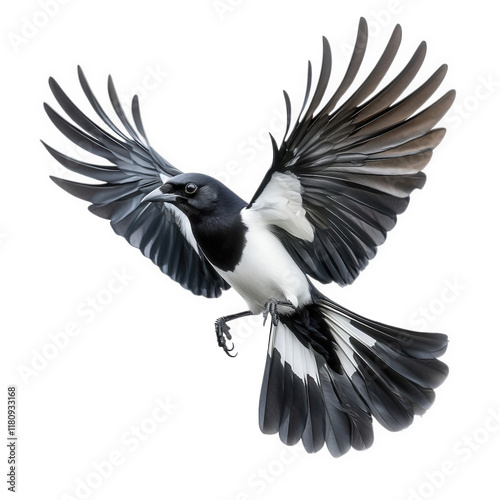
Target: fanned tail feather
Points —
{"points": [[329, 370]]}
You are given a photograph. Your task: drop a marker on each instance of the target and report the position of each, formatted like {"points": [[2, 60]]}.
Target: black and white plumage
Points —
{"points": [[342, 174]]}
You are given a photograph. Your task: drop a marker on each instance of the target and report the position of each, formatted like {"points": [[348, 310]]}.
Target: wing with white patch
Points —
{"points": [[280, 204], [162, 232], [350, 167]]}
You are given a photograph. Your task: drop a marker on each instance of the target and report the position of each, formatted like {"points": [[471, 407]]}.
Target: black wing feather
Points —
{"points": [[135, 169], [357, 162]]}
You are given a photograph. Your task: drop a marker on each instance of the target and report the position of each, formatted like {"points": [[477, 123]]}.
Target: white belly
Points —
{"points": [[267, 271]]}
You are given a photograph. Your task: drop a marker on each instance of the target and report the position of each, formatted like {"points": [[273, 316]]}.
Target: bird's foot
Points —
{"points": [[271, 307], [223, 335]]}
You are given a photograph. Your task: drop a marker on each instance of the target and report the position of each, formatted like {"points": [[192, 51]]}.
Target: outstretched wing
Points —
{"points": [[347, 170], [160, 231]]}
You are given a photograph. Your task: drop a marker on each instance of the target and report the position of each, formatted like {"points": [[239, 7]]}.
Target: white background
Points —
{"points": [[210, 76]]}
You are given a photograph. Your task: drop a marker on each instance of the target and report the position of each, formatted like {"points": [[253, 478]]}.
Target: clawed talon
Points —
{"points": [[272, 308], [222, 333]]}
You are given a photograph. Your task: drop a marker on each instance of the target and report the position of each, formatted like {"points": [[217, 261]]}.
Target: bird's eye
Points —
{"points": [[190, 188]]}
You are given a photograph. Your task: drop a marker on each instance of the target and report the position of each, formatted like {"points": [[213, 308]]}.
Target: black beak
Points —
{"points": [[163, 193]]}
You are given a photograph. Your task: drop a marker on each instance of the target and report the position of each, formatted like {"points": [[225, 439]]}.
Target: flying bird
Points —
{"points": [[342, 174]]}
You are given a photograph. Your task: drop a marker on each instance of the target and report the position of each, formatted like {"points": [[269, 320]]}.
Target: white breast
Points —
{"points": [[266, 270]]}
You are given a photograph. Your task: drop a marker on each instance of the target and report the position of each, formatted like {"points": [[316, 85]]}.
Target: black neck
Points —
{"points": [[222, 239]]}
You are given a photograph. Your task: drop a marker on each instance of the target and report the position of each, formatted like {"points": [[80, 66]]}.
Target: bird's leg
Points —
{"points": [[271, 307], [222, 330]]}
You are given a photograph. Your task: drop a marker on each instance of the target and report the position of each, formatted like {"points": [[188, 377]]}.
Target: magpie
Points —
{"points": [[337, 182]]}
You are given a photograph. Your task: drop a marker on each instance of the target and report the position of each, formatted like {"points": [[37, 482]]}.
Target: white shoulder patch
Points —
{"points": [[280, 204], [181, 219], [185, 226]]}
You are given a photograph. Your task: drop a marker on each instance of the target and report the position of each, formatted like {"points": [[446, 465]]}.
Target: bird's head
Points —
{"points": [[197, 195]]}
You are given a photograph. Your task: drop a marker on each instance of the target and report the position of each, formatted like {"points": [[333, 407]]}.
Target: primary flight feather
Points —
{"points": [[337, 182]]}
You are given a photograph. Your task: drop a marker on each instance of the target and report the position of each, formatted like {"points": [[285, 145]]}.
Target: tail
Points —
{"points": [[328, 371]]}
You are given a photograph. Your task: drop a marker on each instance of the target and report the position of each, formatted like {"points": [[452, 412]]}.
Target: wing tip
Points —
{"points": [[58, 181], [49, 148], [48, 108], [363, 24], [326, 44], [81, 76]]}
